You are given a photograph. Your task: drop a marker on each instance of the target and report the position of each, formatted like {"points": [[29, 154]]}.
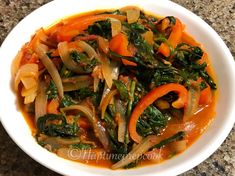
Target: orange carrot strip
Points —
{"points": [[67, 32], [119, 44], [52, 106], [174, 39], [187, 38]]}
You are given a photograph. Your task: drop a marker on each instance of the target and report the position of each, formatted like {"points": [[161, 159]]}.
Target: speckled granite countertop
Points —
{"points": [[219, 14]]}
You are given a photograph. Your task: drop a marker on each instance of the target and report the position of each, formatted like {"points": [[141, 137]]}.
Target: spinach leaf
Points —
{"points": [[56, 125], [149, 22], [122, 89], [83, 61], [78, 57], [81, 146], [144, 51], [162, 74], [116, 147], [67, 101], [115, 12], [166, 74], [102, 28], [83, 93], [118, 57], [178, 136], [65, 73], [52, 91], [186, 60], [208, 79], [151, 121]]}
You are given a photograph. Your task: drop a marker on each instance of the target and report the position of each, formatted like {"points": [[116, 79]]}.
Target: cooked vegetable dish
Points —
{"points": [[128, 87]]}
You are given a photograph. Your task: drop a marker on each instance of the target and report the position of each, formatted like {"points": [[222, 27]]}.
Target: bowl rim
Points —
{"points": [[206, 152]]}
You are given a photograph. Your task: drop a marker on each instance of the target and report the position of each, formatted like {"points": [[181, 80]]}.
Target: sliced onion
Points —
{"points": [[88, 49], [106, 100], [68, 62], [30, 98], [103, 44], [64, 141], [29, 82], [114, 75], [132, 15], [96, 84], [16, 62], [40, 36], [41, 101], [193, 101], [77, 82], [121, 127], [26, 92], [105, 92], [97, 75], [146, 144], [148, 36], [107, 71], [179, 146], [80, 155], [116, 26], [27, 70], [51, 68], [65, 57], [121, 120], [99, 130]]}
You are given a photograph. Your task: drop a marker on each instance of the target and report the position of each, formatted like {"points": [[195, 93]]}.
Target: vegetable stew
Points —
{"points": [[116, 89]]}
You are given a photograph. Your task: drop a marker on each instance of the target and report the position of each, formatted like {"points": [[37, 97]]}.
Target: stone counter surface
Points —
{"points": [[219, 14]]}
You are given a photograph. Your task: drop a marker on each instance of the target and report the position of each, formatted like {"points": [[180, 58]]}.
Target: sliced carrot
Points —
{"points": [[67, 32], [119, 44], [205, 95], [174, 39], [152, 96], [55, 53], [187, 38], [52, 106]]}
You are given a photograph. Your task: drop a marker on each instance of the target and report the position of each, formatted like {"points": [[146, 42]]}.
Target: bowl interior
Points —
{"points": [[222, 62]]}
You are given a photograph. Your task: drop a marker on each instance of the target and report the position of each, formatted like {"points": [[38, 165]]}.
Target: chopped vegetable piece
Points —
{"points": [[150, 98]]}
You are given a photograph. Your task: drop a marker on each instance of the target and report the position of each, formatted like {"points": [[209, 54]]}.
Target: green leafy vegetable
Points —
{"points": [[151, 121], [102, 28], [52, 91], [65, 73], [86, 63], [178, 136], [81, 146], [122, 89], [144, 51], [56, 125], [67, 101]]}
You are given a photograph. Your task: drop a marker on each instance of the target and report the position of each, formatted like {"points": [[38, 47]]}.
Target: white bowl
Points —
{"points": [[222, 61]]}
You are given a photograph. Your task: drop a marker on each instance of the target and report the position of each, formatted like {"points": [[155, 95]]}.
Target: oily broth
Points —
{"points": [[198, 123]]}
